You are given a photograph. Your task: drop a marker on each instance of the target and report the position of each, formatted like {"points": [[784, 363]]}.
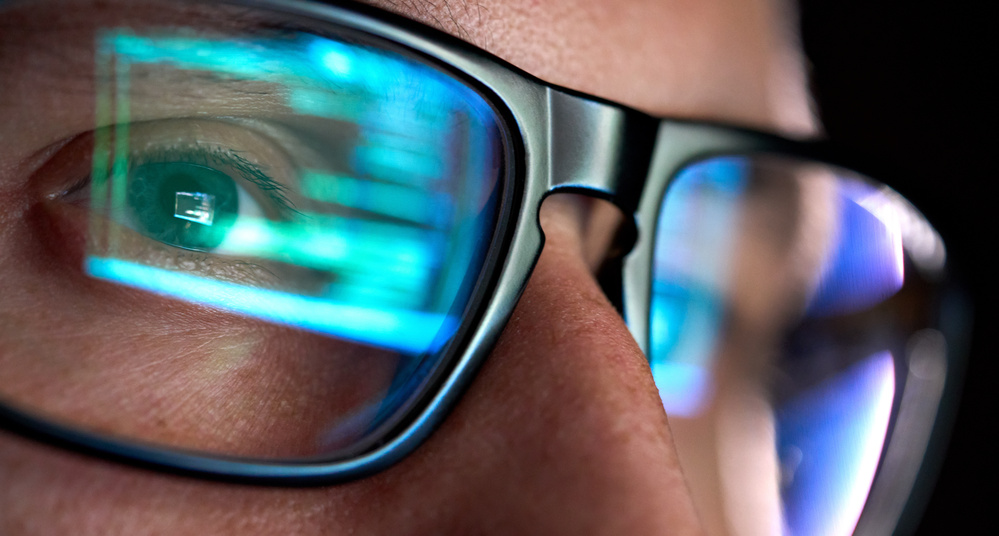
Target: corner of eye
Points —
{"points": [[61, 168]]}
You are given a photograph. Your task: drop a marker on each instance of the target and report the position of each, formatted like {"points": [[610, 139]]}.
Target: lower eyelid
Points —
{"points": [[208, 352], [69, 227]]}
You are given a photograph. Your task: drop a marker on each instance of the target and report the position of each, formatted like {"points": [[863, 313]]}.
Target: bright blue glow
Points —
{"points": [[865, 268], [321, 76], [335, 56], [413, 148], [407, 331], [319, 102], [727, 174], [693, 250], [695, 229], [397, 165], [830, 440], [370, 70], [394, 264], [235, 58], [685, 325], [683, 388], [332, 243]]}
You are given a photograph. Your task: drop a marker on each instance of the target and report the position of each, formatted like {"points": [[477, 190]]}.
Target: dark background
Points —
{"points": [[910, 82]]}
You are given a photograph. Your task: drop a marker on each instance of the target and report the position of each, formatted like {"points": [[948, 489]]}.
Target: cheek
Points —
{"points": [[119, 361], [47, 492]]}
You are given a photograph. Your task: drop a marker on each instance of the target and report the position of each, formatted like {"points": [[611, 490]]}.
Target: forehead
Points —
{"points": [[680, 57], [47, 52], [728, 60]]}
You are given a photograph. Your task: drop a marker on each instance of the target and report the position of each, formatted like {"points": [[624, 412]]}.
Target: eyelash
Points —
{"points": [[228, 160]]}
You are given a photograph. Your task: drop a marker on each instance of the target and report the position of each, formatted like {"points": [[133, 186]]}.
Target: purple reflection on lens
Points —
{"points": [[830, 440], [866, 266]]}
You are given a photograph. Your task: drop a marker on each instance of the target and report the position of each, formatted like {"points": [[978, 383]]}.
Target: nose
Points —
{"points": [[562, 431]]}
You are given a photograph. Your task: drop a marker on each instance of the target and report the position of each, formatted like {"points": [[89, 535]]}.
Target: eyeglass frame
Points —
{"points": [[556, 140]]}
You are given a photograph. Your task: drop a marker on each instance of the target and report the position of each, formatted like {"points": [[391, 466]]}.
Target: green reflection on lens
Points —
{"points": [[184, 205]]}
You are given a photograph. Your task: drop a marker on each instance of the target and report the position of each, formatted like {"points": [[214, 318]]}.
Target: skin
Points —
{"points": [[563, 431]]}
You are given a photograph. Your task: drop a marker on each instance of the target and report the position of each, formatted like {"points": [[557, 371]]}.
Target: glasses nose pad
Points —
{"points": [[607, 233], [610, 272], [601, 151]]}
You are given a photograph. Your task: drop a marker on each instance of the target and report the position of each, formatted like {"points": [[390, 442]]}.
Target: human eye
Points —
{"points": [[249, 242], [181, 198], [189, 196]]}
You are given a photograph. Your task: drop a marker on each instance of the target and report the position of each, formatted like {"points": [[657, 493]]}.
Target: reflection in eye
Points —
{"points": [[186, 204], [176, 203]]}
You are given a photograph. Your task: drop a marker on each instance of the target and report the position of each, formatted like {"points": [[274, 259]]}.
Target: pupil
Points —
{"points": [[184, 205]]}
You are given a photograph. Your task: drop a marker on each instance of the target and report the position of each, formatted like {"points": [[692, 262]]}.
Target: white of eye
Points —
{"points": [[252, 234]]}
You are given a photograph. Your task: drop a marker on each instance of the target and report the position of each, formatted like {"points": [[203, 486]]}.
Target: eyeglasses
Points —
{"points": [[302, 233]]}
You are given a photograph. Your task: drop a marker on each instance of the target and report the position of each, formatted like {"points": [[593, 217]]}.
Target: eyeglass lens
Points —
{"points": [[786, 296], [282, 236]]}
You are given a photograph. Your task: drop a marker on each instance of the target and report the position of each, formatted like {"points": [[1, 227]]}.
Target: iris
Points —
{"points": [[184, 205]]}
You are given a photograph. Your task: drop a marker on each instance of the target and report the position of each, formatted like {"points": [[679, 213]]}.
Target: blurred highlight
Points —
{"points": [[830, 245], [868, 266], [829, 442], [690, 280]]}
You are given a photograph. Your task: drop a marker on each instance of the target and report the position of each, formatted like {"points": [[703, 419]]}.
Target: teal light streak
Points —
{"points": [[416, 205], [399, 165], [320, 76], [335, 244], [236, 58], [324, 103], [381, 262], [408, 331]]}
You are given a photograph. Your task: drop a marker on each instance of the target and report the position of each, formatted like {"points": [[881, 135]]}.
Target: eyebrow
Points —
{"points": [[24, 22], [446, 19]]}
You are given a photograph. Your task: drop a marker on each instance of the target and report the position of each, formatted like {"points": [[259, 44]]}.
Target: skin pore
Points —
{"points": [[563, 431]]}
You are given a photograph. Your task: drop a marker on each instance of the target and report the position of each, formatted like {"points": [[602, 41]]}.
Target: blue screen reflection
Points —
{"points": [[375, 235]]}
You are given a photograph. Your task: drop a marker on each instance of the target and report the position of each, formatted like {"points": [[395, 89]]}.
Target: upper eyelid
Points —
{"points": [[215, 155]]}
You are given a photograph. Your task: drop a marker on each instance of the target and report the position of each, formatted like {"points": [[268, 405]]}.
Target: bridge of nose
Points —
{"points": [[598, 148]]}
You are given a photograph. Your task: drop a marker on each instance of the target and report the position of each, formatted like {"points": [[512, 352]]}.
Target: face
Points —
{"points": [[563, 430]]}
